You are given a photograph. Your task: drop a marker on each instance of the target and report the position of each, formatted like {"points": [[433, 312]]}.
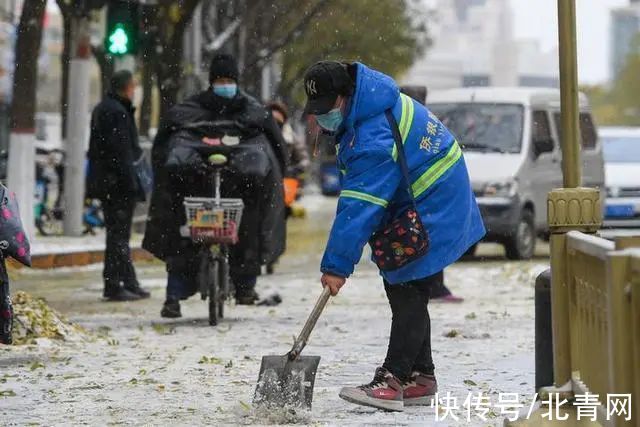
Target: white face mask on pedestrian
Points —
{"points": [[227, 90]]}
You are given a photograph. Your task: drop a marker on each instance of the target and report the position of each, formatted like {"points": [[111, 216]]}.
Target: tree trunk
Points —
{"points": [[105, 63], [21, 170], [23, 105], [169, 71], [66, 57], [148, 42], [252, 80], [169, 62], [147, 94]]}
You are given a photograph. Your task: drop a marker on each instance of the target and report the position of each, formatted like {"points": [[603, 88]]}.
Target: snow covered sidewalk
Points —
{"points": [[134, 368]]}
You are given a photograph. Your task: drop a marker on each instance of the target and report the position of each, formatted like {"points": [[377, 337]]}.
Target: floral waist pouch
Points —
{"points": [[405, 238]]}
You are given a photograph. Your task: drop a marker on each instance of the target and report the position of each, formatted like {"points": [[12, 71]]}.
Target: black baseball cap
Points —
{"points": [[323, 82]]}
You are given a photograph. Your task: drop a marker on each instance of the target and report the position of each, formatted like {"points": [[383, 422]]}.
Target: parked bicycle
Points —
{"points": [[49, 216], [213, 223]]}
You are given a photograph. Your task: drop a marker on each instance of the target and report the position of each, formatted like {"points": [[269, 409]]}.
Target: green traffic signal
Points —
{"points": [[123, 26], [118, 41]]}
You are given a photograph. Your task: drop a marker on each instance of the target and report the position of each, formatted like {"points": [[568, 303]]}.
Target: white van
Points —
{"points": [[510, 138]]}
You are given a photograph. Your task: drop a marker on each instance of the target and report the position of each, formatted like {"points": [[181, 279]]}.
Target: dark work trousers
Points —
{"points": [[118, 267], [410, 339]]}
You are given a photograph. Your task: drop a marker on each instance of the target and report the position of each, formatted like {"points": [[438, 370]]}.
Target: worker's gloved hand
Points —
{"points": [[334, 283]]}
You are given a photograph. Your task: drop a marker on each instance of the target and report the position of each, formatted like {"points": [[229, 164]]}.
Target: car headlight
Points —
{"points": [[501, 189], [613, 191]]}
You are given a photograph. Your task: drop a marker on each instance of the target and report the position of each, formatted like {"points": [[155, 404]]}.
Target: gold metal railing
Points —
{"points": [[595, 284], [598, 291], [588, 323], [634, 283]]}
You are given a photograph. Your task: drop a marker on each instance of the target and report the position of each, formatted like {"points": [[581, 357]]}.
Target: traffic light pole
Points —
{"points": [[124, 62], [77, 126]]}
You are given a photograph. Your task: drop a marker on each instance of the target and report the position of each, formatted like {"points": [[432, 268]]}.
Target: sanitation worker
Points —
{"points": [[405, 191]]}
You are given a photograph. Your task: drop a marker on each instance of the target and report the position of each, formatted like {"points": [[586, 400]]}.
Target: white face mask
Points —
{"points": [[225, 90], [330, 121]]}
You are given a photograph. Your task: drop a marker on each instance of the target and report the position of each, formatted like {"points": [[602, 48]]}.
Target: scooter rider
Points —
{"points": [[264, 242]]}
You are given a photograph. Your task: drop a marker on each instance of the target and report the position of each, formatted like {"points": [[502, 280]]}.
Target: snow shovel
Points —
{"points": [[288, 380]]}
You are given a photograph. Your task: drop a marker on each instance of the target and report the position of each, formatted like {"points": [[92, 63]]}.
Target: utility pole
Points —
{"points": [[77, 125], [124, 62]]}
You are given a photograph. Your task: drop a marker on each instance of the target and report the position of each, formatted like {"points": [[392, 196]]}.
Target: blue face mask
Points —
{"points": [[330, 121], [227, 90]]}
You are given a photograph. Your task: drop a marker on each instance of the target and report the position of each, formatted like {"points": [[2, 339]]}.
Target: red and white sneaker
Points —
{"points": [[420, 389], [384, 392]]}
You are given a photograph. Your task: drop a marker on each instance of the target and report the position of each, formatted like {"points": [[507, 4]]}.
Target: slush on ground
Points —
{"points": [[122, 364]]}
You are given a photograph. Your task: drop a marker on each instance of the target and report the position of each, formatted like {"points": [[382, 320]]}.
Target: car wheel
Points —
{"points": [[522, 243]]}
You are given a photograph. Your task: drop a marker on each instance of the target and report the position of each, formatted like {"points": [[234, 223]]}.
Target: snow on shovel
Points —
{"points": [[288, 380]]}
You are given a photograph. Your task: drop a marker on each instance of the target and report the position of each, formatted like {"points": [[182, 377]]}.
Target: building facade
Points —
{"points": [[625, 27], [474, 45]]}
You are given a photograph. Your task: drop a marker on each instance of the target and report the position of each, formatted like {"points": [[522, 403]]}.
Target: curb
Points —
{"points": [[74, 259]]}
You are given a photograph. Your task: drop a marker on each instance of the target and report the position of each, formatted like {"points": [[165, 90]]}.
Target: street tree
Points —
{"points": [[619, 105], [21, 172], [298, 32], [268, 27], [254, 30], [386, 35], [29, 38], [171, 19], [67, 9]]}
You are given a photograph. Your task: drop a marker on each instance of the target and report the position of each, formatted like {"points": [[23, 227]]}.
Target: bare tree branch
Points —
{"points": [[223, 36], [274, 47]]}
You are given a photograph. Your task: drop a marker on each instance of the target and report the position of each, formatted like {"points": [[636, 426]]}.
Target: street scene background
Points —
{"points": [[96, 362], [132, 367]]}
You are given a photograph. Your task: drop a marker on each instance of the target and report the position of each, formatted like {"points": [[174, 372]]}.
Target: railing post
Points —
{"points": [[568, 209], [620, 324], [634, 294]]}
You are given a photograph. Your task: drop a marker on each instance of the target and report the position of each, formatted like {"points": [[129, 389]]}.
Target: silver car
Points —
{"points": [[621, 146]]}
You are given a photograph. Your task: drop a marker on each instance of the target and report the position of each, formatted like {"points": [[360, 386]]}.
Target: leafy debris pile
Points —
{"points": [[33, 319]]}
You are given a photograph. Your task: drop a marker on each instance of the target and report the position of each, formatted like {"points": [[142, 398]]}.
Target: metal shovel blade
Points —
{"points": [[283, 382]]}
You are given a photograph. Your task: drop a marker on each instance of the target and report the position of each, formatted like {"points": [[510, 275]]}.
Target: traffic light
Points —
{"points": [[121, 37]]}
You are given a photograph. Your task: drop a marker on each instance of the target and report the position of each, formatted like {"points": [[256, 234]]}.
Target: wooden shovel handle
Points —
{"points": [[302, 339]]}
